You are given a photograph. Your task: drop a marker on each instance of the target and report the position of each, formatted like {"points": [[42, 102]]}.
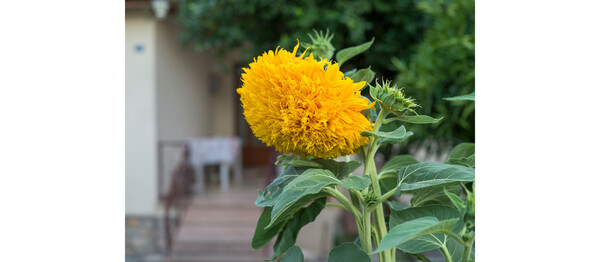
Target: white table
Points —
{"points": [[223, 151]]}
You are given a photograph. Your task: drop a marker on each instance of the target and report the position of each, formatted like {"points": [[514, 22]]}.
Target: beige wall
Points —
{"points": [[168, 98], [140, 116], [182, 76], [225, 100]]}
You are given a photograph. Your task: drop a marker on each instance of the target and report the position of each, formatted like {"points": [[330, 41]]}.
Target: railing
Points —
{"points": [[175, 195]]}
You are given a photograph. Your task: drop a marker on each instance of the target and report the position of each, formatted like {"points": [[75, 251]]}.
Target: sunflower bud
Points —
{"points": [[321, 46], [391, 98]]}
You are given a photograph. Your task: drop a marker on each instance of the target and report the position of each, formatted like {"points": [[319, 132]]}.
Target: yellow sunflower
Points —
{"points": [[303, 106]]}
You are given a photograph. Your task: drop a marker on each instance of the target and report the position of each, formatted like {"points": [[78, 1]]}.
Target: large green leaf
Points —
{"points": [[262, 236], [350, 52], [463, 154], [392, 137], [395, 163], [457, 250], [348, 252], [294, 254], [430, 174], [388, 178], [412, 229], [463, 161], [467, 97], [291, 209], [418, 119], [434, 195], [463, 150], [287, 237], [310, 184], [341, 169], [441, 212], [365, 74], [273, 190]]}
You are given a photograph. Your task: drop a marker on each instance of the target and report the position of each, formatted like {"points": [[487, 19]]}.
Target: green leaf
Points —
{"points": [[348, 252], [355, 182], [441, 212], [396, 205], [456, 201], [463, 150], [463, 154], [412, 229], [341, 169], [365, 74], [303, 162], [463, 161], [392, 137], [418, 119], [430, 174], [374, 93], [292, 208], [273, 190], [350, 52], [457, 250], [397, 162], [434, 195], [262, 236], [347, 73], [468, 97], [308, 184], [287, 237], [388, 178], [294, 254]]}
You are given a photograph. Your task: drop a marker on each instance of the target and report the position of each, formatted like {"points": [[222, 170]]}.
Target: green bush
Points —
{"points": [[442, 66], [265, 24]]}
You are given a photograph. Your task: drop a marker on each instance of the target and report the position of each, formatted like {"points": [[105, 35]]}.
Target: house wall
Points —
{"points": [[224, 107], [168, 98], [140, 115], [182, 76]]}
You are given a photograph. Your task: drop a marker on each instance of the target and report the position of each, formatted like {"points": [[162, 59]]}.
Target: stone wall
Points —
{"points": [[145, 238]]}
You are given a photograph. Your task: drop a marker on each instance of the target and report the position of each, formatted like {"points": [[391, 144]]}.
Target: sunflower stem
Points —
{"points": [[379, 227]]}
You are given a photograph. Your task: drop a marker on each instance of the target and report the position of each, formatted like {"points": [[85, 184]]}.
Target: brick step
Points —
{"points": [[216, 258], [190, 247], [223, 213], [216, 234]]}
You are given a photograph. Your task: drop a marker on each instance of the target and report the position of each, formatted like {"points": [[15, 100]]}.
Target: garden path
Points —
{"points": [[218, 226]]}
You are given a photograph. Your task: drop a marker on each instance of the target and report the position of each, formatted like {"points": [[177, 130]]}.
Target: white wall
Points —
{"points": [[140, 115]]}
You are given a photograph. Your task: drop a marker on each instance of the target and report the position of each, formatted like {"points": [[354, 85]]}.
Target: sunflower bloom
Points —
{"points": [[298, 106]]}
